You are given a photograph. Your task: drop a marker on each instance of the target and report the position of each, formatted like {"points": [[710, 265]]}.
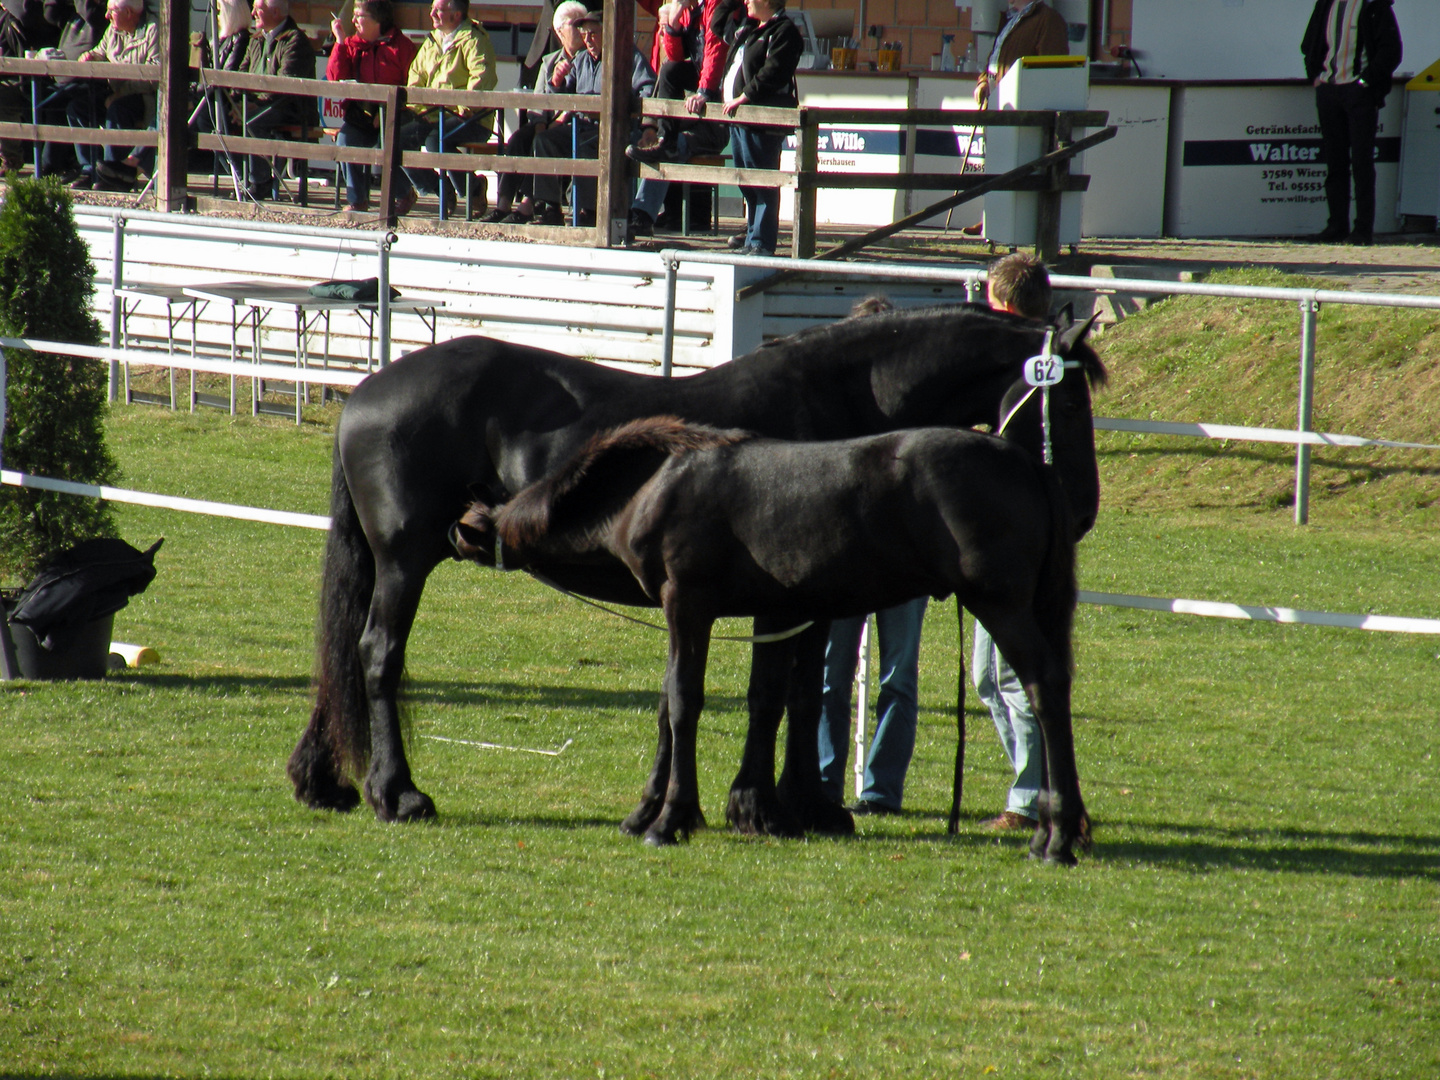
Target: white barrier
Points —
{"points": [[1393, 624], [1251, 434]]}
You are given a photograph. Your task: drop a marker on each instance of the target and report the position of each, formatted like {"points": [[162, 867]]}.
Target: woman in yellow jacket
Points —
{"points": [[457, 55]]}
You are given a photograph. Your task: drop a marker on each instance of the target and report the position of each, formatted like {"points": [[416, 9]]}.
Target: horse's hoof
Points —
{"points": [[751, 813], [829, 819], [661, 839], [414, 806], [641, 818], [341, 798], [1062, 858]]}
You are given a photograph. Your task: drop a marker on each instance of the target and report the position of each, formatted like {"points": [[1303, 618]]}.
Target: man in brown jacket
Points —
{"points": [[1031, 29]]}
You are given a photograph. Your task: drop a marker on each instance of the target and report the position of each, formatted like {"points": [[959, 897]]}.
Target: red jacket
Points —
{"points": [[383, 62], [669, 47]]}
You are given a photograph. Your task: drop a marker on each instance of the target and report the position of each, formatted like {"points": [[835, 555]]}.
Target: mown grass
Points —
{"points": [[1264, 899]]}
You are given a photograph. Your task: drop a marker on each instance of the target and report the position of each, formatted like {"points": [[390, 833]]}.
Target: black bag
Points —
{"points": [[85, 583], [361, 290]]}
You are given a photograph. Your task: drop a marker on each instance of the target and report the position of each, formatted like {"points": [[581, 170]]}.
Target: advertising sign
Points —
{"points": [[1246, 160]]}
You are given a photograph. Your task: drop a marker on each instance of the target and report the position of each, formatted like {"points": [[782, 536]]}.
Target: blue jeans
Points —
{"points": [[1000, 689], [759, 148], [357, 177], [898, 707]]}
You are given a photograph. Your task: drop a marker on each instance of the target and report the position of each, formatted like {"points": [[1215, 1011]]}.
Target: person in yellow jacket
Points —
{"points": [[457, 55]]}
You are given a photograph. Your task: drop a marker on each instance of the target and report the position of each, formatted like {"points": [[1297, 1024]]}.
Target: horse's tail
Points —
{"points": [[336, 744]]}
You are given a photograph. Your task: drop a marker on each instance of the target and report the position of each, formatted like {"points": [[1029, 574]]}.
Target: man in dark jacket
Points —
{"points": [[1352, 48], [277, 47]]}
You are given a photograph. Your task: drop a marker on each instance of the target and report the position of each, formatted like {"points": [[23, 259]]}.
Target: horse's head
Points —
{"points": [[1071, 424]]}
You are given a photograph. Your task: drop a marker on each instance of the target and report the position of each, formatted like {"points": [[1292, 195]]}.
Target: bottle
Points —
{"points": [[970, 60]]}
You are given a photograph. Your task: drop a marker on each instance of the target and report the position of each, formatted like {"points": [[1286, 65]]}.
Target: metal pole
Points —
{"points": [[117, 280], [382, 310], [667, 344], [1309, 310], [9, 666], [862, 705]]}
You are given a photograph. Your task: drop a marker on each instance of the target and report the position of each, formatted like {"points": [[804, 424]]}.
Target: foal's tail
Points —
{"points": [[336, 744]]}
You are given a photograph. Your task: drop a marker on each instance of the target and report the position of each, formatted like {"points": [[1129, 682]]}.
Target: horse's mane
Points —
{"points": [[529, 515]]}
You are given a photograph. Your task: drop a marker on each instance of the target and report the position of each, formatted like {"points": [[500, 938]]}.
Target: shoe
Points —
{"points": [[405, 203], [103, 184], [359, 206], [640, 224], [1361, 238], [69, 176], [1009, 821], [494, 217], [736, 242], [515, 217], [757, 251], [1331, 234], [84, 182], [870, 808], [479, 193], [549, 215], [651, 155], [978, 229], [117, 172]]}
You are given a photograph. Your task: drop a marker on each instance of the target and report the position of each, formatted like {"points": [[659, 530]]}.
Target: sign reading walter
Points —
{"points": [[1250, 162]]}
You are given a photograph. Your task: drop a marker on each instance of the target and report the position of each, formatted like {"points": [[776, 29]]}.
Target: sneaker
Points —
{"points": [[494, 217], [640, 224], [651, 155], [736, 242], [515, 217], [549, 215], [1009, 821], [757, 251], [84, 182], [871, 808]]}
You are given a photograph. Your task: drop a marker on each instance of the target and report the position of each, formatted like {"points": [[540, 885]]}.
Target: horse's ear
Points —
{"points": [[1075, 333], [1065, 317]]}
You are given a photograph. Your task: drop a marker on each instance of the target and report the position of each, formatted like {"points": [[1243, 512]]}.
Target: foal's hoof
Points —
{"points": [[756, 814], [641, 818]]}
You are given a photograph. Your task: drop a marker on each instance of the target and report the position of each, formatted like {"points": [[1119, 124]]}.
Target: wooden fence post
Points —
{"points": [[612, 201], [390, 139], [172, 156], [807, 163], [1047, 202]]}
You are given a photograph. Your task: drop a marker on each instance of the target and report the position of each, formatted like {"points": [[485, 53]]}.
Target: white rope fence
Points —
{"points": [[1251, 434]]}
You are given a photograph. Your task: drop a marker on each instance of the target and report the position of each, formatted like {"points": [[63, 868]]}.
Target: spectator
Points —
{"points": [[577, 135], [277, 47], [692, 62], [14, 92], [232, 25], [376, 53], [1020, 285], [82, 25], [767, 48], [132, 38], [556, 76], [457, 55], [1032, 28], [1352, 48]]}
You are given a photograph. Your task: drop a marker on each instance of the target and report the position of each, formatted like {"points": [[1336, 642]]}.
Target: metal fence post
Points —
{"points": [[667, 343], [382, 308], [9, 666], [117, 280], [1309, 310], [862, 703]]}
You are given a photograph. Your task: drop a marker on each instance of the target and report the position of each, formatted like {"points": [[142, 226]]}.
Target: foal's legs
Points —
{"points": [[685, 688], [754, 806], [953, 826], [1046, 679], [652, 798], [388, 786]]}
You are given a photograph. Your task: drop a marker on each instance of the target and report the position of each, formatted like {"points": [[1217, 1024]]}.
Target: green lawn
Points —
{"points": [[1263, 899]]}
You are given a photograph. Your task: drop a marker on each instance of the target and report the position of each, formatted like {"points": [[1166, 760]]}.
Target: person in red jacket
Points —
{"points": [[376, 53]]}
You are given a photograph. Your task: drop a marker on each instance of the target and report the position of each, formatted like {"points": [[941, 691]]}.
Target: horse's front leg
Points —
{"points": [[754, 806], [953, 825], [388, 787], [652, 799], [685, 688], [799, 785]]}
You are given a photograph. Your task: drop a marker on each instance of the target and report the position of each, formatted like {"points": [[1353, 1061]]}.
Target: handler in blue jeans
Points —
{"points": [[1018, 284], [898, 629]]}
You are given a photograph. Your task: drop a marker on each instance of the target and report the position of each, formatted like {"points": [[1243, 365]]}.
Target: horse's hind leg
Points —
{"points": [[389, 789], [799, 786], [652, 799], [313, 770], [953, 825], [754, 806]]}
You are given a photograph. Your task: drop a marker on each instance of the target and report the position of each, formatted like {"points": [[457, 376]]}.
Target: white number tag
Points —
{"points": [[1046, 370]]}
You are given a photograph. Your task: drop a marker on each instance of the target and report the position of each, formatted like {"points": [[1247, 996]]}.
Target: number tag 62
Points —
{"points": [[1044, 370]]}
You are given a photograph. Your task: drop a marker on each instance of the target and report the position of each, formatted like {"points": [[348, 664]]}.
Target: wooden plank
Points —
{"points": [[934, 181], [807, 161], [718, 174], [70, 69], [87, 136], [956, 117]]}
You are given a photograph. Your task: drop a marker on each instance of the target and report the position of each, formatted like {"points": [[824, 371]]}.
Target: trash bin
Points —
{"points": [[61, 623]]}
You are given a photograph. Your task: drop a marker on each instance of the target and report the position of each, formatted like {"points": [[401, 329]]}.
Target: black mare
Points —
{"points": [[714, 523], [475, 418]]}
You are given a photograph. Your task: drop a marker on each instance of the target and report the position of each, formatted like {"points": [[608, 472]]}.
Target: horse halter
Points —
{"points": [[1041, 372]]}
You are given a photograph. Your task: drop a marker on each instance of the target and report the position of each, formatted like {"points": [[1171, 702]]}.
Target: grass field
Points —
{"points": [[1263, 900]]}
